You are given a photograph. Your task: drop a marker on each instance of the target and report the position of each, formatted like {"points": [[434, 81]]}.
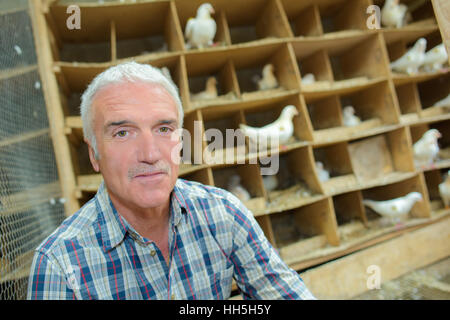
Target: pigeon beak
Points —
{"points": [[212, 11], [438, 135]]}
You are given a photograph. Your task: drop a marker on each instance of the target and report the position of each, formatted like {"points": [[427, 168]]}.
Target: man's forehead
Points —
{"points": [[118, 96]]}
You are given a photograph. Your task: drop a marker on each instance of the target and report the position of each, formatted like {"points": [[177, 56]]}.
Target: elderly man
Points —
{"points": [[148, 234]]}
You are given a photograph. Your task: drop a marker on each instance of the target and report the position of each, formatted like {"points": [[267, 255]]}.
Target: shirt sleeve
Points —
{"points": [[47, 281], [259, 272]]}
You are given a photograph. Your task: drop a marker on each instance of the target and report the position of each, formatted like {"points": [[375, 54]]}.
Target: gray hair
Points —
{"points": [[124, 73]]}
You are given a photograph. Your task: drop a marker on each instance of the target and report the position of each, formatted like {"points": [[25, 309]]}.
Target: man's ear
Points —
{"points": [[94, 161]]}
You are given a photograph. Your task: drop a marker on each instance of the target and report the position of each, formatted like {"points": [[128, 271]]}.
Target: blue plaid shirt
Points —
{"points": [[213, 238]]}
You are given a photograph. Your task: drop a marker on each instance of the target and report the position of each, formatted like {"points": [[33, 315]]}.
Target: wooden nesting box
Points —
{"points": [[308, 220]]}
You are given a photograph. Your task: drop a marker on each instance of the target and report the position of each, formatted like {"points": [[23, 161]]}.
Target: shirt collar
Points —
{"points": [[113, 227]]}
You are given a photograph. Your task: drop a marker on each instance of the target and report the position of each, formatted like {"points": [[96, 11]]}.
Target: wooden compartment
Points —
{"points": [[249, 64], [317, 64], [421, 12], [443, 157], [349, 208], [204, 66], [106, 33], [396, 190], [382, 158], [188, 9], [409, 102], [374, 105], [265, 113], [363, 60], [296, 181], [431, 92], [301, 232], [260, 20], [433, 178], [223, 142], [397, 47], [304, 22], [343, 15], [244, 181], [335, 160]]}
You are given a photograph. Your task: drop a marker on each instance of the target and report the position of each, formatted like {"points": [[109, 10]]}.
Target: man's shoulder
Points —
{"points": [[73, 228]]}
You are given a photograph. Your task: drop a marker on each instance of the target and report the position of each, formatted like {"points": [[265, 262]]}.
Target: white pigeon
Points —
{"points": [[210, 91], [443, 102], [201, 30], [235, 187], [308, 78], [394, 208], [270, 182], [349, 117], [394, 14], [411, 61], [281, 129], [435, 58], [426, 148], [268, 80], [323, 174], [444, 190]]}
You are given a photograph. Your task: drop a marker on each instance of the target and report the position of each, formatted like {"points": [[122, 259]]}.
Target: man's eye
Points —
{"points": [[164, 129], [121, 133]]}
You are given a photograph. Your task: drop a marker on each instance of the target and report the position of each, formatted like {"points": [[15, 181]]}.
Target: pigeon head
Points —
{"points": [[420, 45], [416, 196], [205, 10], [319, 165], [433, 134], [349, 110], [268, 69], [289, 111], [212, 81], [234, 180]]}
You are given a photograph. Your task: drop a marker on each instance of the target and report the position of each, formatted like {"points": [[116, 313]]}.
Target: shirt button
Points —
{"points": [[152, 253]]}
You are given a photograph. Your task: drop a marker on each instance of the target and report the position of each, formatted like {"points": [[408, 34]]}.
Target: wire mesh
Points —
{"points": [[30, 203]]}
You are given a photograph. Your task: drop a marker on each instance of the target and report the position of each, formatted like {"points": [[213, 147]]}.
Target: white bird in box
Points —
{"points": [[235, 187], [281, 129], [444, 190], [443, 102], [323, 174], [435, 58], [350, 119], [394, 14], [270, 182], [201, 30], [411, 61], [426, 148], [268, 80], [209, 93], [395, 208]]}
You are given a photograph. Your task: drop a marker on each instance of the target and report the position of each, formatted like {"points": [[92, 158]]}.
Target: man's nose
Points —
{"points": [[147, 148]]}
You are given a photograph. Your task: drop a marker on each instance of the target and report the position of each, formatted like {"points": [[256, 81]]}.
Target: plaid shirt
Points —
{"points": [[96, 254]]}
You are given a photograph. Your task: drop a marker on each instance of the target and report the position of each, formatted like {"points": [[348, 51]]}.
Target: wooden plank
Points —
{"points": [[11, 73], [442, 12], [23, 137], [347, 277], [113, 40], [54, 108]]}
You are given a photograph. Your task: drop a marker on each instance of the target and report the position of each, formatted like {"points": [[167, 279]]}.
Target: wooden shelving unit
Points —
{"points": [[309, 221]]}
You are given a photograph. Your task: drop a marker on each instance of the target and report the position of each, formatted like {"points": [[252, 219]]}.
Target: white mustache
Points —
{"points": [[144, 168]]}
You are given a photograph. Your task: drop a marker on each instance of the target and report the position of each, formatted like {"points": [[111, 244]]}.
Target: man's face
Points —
{"points": [[135, 124]]}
